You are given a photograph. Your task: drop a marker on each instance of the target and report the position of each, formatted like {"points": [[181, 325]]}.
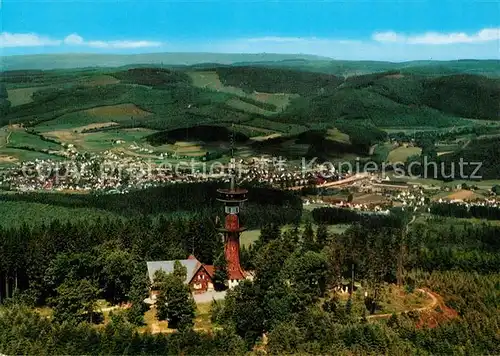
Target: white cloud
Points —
{"points": [[291, 40], [33, 40], [73, 39], [389, 36], [8, 39], [436, 38], [133, 44], [389, 45]]}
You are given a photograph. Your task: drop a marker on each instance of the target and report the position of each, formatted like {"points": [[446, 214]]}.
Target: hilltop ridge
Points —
{"points": [[292, 61]]}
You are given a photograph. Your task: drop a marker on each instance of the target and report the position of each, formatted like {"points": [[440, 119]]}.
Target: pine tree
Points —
{"points": [[221, 274], [268, 233], [308, 242], [180, 271], [322, 236], [138, 292], [348, 306]]}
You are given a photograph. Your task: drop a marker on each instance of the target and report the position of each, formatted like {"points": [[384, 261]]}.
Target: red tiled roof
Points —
{"points": [[210, 270], [236, 274]]}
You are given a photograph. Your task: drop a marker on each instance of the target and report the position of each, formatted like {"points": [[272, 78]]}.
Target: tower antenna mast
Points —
{"points": [[232, 162]]}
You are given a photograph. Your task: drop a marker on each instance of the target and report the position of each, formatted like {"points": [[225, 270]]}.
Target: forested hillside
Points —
{"points": [[266, 109], [179, 199], [278, 80], [385, 99], [464, 95], [291, 303]]}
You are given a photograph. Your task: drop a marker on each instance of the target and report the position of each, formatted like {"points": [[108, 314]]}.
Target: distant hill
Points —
{"points": [[302, 62], [70, 61]]}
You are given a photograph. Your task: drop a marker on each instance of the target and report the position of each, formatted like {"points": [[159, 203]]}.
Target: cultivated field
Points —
{"points": [[122, 113], [463, 195], [401, 154], [21, 139]]}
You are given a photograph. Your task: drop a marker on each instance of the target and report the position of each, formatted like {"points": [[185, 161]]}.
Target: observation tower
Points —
{"points": [[232, 199]]}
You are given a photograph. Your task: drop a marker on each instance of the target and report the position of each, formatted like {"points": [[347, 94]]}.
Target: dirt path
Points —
{"points": [[5, 141], [429, 307], [8, 138]]}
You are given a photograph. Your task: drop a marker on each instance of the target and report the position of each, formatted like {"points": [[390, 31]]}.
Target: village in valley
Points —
{"points": [[160, 201]]}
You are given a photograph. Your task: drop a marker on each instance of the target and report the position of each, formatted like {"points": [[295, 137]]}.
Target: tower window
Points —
{"points": [[232, 209]]}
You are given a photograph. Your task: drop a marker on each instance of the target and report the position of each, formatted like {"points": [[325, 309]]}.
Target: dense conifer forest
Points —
{"points": [[290, 299]]}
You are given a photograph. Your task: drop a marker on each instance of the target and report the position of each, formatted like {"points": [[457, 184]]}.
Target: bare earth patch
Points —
{"points": [[7, 159], [444, 153], [267, 137], [463, 195], [69, 136], [369, 199]]}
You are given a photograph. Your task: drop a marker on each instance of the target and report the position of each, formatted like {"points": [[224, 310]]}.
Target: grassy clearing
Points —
{"points": [[338, 229], [486, 184], [338, 136], [241, 105], [210, 80], [281, 101], [101, 140], [103, 79], [401, 154], [12, 155], [276, 126], [98, 141], [19, 138], [391, 300], [201, 323], [251, 131], [249, 237], [395, 300], [22, 96]]}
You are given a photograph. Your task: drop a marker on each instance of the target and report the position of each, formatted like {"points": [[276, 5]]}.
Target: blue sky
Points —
{"points": [[378, 30]]}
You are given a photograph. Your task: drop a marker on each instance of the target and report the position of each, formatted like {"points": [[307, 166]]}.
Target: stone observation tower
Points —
{"points": [[232, 199]]}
